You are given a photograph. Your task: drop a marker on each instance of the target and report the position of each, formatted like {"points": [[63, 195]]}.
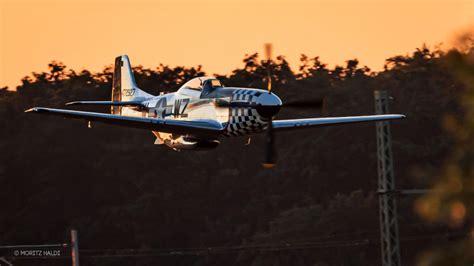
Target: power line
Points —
{"points": [[256, 248], [64, 245], [229, 250], [217, 250]]}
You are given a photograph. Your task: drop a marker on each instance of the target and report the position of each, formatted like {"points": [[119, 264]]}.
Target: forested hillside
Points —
{"points": [[122, 192]]}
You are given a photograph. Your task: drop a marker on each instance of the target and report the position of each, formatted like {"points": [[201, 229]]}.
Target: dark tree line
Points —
{"points": [[120, 191]]}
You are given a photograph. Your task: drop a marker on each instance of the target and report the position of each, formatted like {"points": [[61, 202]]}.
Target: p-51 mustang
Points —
{"points": [[199, 113]]}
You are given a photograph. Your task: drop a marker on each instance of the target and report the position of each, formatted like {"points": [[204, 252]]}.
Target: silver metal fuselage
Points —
{"points": [[188, 104]]}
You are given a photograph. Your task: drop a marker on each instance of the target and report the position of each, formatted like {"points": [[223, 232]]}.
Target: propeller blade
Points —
{"points": [[268, 51], [307, 103], [269, 81], [268, 55], [270, 152]]}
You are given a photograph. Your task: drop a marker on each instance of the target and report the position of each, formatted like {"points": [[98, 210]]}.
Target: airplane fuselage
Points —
{"points": [[220, 105]]}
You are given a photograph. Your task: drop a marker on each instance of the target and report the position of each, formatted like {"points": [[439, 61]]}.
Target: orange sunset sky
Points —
{"points": [[217, 34]]}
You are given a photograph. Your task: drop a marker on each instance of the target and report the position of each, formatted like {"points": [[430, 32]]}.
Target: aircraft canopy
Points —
{"points": [[198, 83]]}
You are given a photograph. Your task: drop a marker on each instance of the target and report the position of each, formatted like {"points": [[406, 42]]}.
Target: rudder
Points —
{"points": [[124, 87]]}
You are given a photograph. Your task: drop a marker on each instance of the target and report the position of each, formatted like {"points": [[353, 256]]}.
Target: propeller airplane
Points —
{"points": [[199, 113]]}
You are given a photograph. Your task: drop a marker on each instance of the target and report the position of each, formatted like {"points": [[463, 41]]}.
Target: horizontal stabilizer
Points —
{"points": [[110, 103]]}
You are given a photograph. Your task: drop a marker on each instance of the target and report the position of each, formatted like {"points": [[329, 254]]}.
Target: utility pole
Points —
{"points": [[386, 186], [74, 248]]}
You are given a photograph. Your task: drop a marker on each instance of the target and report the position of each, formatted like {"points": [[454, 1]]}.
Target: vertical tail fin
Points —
{"points": [[124, 87]]}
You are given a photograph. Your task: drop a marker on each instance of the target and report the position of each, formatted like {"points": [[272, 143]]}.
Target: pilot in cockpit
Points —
{"points": [[210, 85]]}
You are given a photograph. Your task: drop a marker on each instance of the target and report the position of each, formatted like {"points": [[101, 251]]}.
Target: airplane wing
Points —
{"points": [[180, 127], [127, 103], [279, 125]]}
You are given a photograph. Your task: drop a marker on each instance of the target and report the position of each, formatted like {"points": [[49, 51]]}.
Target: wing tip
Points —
{"points": [[31, 110], [36, 110], [394, 116]]}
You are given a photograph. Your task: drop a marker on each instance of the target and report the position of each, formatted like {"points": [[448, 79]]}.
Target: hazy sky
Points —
{"points": [[217, 34]]}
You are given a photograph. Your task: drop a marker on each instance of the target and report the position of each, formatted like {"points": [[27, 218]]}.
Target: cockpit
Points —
{"points": [[200, 86]]}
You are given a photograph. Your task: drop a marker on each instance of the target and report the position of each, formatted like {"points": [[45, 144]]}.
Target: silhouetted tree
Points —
{"points": [[122, 192]]}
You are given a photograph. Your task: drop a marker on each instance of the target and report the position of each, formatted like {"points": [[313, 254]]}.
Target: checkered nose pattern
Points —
{"points": [[245, 120]]}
